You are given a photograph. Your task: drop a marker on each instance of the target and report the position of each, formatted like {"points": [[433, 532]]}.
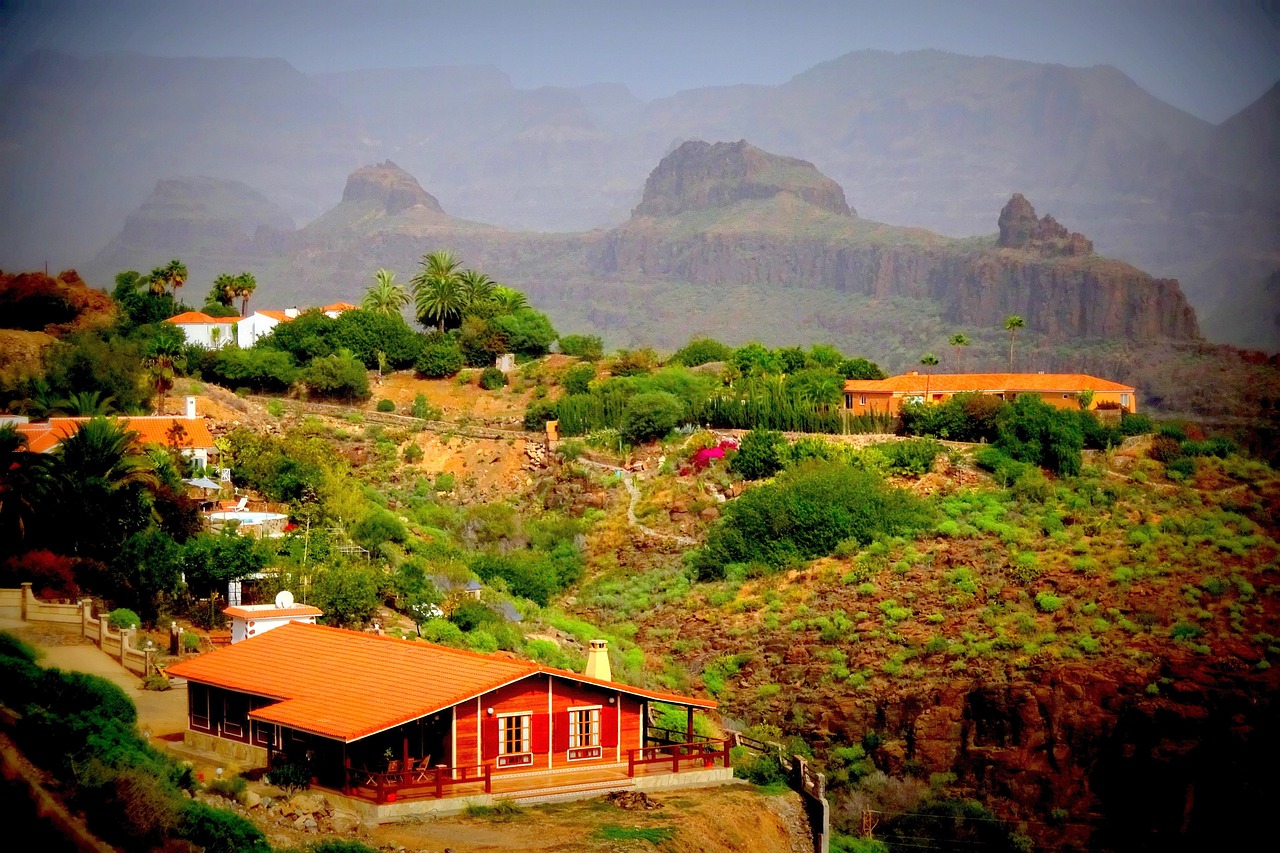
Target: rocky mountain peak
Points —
{"points": [[1020, 229], [390, 186], [702, 176]]}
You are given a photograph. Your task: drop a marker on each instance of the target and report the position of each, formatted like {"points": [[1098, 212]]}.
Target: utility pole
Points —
{"points": [[869, 822]]}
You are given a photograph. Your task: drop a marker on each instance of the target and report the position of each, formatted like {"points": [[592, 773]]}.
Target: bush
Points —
{"points": [[492, 379], [290, 777], [413, 454], [385, 405], [1182, 468], [760, 454], [803, 514], [1032, 431], [232, 788], [365, 334], [702, 351], [914, 456], [129, 807], [537, 414], [1164, 448], [338, 376], [261, 369], [16, 649], [51, 575], [1047, 603], [157, 683], [122, 617], [221, 831], [190, 642], [590, 347], [527, 332], [577, 379], [347, 595], [423, 409], [650, 415], [1134, 424], [441, 357], [334, 846]]}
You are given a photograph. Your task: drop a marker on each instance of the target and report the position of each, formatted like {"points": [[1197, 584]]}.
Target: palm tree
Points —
{"points": [[164, 359], [508, 300], [246, 284], [99, 480], [172, 276], [477, 288], [437, 289], [1012, 324], [87, 404], [23, 482], [385, 297], [928, 360], [223, 291], [958, 340]]}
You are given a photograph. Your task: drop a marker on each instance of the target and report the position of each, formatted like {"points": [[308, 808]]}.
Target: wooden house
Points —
{"points": [[384, 720]]}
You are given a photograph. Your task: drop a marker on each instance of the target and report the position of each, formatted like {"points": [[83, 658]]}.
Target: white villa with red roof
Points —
{"points": [[214, 332], [189, 434], [385, 723]]}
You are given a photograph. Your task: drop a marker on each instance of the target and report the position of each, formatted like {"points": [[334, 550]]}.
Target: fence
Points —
{"points": [[811, 784], [22, 604]]}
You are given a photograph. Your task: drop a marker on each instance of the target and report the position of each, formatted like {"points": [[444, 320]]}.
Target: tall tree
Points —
{"points": [[928, 360], [246, 284], [437, 290], [385, 297], [477, 288], [102, 483], [958, 341], [164, 358], [171, 276], [223, 291], [23, 482], [508, 300], [1012, 324]]}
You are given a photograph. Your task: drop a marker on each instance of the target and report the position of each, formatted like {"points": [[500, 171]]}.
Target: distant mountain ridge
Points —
{"points": [[924, 138]]}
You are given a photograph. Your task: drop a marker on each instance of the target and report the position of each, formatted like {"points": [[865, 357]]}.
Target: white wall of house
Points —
{"points": [[254, 326], [208, 335]]}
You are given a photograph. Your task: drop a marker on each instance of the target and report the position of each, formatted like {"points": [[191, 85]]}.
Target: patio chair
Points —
{"points": [[244, 502], [422, 771]]}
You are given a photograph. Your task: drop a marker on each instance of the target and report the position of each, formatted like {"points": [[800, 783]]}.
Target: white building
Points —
{"points": [[250, 620], [203, 330], [260, 323]]}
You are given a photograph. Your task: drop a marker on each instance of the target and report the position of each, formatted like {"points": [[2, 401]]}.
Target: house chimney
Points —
{"points": [[291, 312], [598, 661], [191, 408]]}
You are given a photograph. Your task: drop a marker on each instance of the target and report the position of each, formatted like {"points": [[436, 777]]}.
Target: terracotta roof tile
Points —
{"points": [[271, 612], [195, 317], [348, 685], [959, 382], [340, 306], [278, 316], [150, 430]]}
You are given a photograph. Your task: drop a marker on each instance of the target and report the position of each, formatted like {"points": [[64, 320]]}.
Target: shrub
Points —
{"points": [[260, 368], [365, 334], [526, 332], [190, 642], [1005, 469], [492, 379], [650, 415], [338, 376], [16, 649], [760, 454], [1164, 448], [347, 595], [577, 379], [1031, 430], [385, 405], [1132, 424], [537, 413], [335, 846], [441, 357], [413, 454], [1181, 468], [122, 617], [156, 682], [701, 351], [914, 456], [51, 575], [1047, 603], [129, 807], [423, 409], [221, 831], [232, 788], [803, 514], [290, 777], [590, 347]]}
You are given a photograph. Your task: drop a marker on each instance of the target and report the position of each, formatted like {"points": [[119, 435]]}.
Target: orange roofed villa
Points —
{"points": [[1061, 390], [396, 726]]}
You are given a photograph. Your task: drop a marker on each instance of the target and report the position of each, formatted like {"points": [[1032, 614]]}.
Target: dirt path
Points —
{"points": [[628, 481], [727, 818]]}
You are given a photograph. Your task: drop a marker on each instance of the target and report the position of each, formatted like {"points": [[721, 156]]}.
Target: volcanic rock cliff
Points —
{"points": [[701, 176], [702, 221], [389, 186]]}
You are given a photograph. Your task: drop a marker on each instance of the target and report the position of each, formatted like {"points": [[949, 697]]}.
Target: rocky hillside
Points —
{"points": [[701, 176]]}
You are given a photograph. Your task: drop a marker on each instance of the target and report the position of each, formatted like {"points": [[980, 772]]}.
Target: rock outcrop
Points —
{"points": [[389, 186], [1020, 229], [701, 176]]}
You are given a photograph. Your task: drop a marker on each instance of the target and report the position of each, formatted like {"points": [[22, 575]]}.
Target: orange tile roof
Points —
{"points": [[43, 437], [348, 685], [191, 317], [272, 612], [987, 382], [340, 306], [278, 316]]}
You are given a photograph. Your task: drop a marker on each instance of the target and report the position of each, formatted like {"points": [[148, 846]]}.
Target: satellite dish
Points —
{"points": [[284, 598]]}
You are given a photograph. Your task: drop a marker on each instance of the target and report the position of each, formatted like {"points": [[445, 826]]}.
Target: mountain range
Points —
{"points": [[924, 139]]}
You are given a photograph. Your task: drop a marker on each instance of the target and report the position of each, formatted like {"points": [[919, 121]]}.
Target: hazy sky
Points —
{"points": [[1210, 58]]}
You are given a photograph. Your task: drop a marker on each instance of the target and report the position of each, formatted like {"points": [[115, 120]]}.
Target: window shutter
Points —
{"points": [[489, 738], [560, 735], [541, 733], [609, 726]]}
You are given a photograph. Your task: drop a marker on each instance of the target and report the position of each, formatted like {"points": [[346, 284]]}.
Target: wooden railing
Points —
{"points": [[703, 752], [386, 787]]}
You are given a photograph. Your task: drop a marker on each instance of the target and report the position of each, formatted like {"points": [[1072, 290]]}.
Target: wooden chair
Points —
{"points": [[422, 771]]}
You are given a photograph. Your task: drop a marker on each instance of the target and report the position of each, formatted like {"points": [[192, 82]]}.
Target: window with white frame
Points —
{"points": [[1124, 399], [513, 733], [584, 727]]}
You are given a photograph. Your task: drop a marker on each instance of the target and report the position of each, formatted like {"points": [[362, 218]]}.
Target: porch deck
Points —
{"points": [[440, 782]]}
